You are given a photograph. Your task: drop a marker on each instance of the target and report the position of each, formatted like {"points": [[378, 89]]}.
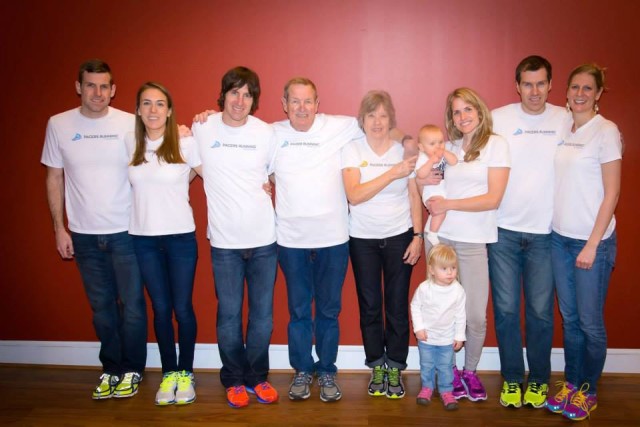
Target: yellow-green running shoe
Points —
{"points": [[511, 394], [107, 386], [536, 395]]}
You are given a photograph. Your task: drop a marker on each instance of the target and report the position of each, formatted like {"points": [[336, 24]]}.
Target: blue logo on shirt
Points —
{"points": [[215, 144], [285, 144], [518, 132], [76, 137]]}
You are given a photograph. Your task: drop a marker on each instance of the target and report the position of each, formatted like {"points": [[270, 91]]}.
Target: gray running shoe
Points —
{"points": [[299, 388], [395, 386], [378, 383], [329, 390]]}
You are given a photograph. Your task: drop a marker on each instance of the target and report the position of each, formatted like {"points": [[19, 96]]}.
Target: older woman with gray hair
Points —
{"points": [[385, 229]]}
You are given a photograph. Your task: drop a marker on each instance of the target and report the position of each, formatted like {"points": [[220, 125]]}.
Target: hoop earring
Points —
{"points": [[568, 107]]}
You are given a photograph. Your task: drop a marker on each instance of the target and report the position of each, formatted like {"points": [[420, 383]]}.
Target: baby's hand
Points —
{"points": [[457, 345], [421, 335]]}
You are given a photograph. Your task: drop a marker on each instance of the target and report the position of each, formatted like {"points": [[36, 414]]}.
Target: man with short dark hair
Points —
{"points": [[237, 151], [87, 162], [520, 261]]}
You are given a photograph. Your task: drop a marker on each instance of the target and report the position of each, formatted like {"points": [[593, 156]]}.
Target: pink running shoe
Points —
{"points": [[557, 402], [581, 404], [475, 389], [459, 391], [450, 403]]}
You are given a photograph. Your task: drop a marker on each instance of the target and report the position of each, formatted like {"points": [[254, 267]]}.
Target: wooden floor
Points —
{"points": [[60, 396]]}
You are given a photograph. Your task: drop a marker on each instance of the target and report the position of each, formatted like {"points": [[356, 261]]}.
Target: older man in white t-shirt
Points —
{"points": [[312, 231], [520, 261]]}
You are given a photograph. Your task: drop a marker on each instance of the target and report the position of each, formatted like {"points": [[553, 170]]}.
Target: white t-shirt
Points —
{"points": [[388, 213], [439, 189], [161, 190], [440, 310], [579, 190], [468, 179], [236, 162], [527, 205], [94, 158], [311, 204]]}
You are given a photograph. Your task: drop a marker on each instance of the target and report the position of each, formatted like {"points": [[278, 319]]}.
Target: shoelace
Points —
{"points": [[168, 381], [105, 379], [184, 381], [535, 387], [579, 399], [394, 377], [238, 389], [326, 380], [564, 391], [512, 388], [300, 379], [378, 375], [128, 378]]}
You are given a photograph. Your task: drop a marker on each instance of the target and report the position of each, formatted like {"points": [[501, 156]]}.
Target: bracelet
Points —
{"points": [[420, 235]]}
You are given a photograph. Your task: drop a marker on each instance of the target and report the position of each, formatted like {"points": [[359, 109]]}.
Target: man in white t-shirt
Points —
{"points": [[87, 163], [520, 262], [312, 231], [237, 152]]}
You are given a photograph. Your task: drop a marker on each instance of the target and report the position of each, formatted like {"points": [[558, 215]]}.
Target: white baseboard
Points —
{"points": [[350, 357]]}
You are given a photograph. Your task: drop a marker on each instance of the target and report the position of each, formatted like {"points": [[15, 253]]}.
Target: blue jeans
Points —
{"points": [[168, 266], [244, 364], [520, 263], [112, 282], [385, 336], [581, 296], [436, 359], [314, 274]]}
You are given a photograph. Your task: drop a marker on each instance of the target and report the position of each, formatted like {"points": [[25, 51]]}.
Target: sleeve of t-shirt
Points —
{"points": [[610, 144], [190, 151], [130, 144], [498, 152], [273, 143], [349, 156], [51, 155], [416, 311]]}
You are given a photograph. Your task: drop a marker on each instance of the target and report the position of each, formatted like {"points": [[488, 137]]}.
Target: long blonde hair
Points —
{"points": [[485, 127]]}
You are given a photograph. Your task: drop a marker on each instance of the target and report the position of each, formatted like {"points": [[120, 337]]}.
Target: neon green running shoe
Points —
{"points": [[128, 387], [107, 386], [536, 395], [511, 394], [186, 391], [166, 394]]}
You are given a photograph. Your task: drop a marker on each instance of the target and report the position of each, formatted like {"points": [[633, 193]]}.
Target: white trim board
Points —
{"points": [[350, 357]]}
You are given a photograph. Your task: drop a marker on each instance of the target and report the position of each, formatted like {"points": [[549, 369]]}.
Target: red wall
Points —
{"points": [[417, 50]]}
